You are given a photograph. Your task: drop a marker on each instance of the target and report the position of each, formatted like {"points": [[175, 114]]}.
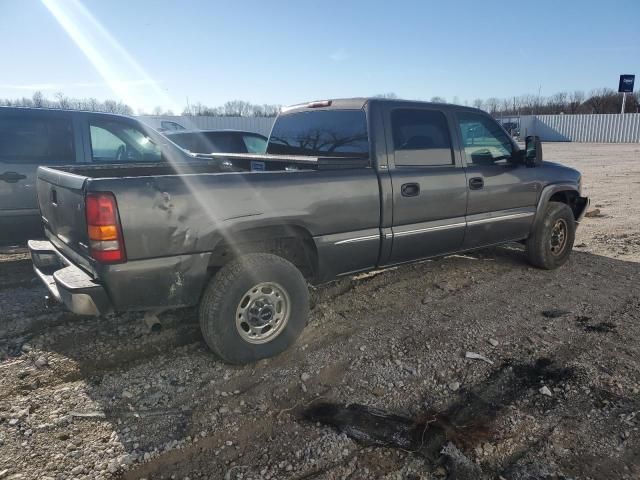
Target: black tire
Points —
{"points": [[543, 246], [232, 285]]}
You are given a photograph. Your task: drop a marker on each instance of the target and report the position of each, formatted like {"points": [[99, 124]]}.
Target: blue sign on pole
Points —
{"points": [[626, 83]]}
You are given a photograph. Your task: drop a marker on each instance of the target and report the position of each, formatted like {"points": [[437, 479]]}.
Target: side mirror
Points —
{"points": [[533, 151]]}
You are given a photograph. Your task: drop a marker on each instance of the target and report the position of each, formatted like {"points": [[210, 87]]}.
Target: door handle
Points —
{"points": [[410, 189], [12, 177], [476, 183]]}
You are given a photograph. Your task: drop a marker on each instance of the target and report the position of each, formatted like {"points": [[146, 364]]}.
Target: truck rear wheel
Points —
{"points": [[254, 307], [550, 244]]}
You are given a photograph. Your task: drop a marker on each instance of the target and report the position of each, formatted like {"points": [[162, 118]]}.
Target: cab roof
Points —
{"points": [[361, 102]]}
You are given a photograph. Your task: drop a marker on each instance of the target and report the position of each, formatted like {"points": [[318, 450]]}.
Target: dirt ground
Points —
{"points": [[104, 398]]}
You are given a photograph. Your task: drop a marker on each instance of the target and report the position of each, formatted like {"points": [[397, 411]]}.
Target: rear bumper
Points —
{"points": [[67, 283]]}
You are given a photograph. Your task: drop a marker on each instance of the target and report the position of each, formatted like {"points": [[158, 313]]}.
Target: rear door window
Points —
{"points": [[421, 137], [118, 142], [36, 140], [321, 133]]}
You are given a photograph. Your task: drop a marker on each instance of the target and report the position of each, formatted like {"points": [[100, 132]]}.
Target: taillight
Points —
{"points": [[105, 236]]}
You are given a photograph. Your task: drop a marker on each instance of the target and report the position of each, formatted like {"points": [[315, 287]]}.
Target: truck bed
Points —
{"points": [[183, 209], [216, 163]]}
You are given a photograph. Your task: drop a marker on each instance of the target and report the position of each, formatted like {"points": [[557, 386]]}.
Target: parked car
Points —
{"points": [[162, 125], [513, 128], [348, 186], [211, 141], [30, 137], [170, 126]]}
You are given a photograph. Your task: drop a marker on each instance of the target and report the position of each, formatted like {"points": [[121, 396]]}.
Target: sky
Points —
{"points": [[151, 53]]}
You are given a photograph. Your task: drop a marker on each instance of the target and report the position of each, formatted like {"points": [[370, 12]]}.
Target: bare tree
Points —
{"points": [[63, 101], [478, 103], [575, 101], [437, 99], [603, 100], [238, 108], [389, 95], [505, 106], [38, 99], [491, 105], [557, 103]]}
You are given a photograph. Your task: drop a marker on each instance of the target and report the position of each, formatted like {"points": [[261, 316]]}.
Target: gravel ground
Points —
{"points": [[558, 397]]}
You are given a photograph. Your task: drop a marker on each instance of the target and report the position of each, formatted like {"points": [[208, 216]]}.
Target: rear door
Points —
{"points": [[30, 138], [502, 192], [428, 183]]}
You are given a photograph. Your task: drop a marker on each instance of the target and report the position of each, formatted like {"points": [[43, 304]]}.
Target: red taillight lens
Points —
{"points": [[105, 236]]}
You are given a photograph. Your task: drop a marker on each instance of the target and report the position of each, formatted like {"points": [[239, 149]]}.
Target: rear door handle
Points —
{"points": [[476, 183], [410, 189], [12, 177]]}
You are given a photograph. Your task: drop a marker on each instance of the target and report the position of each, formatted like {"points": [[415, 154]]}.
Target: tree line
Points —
{"points": [[233, 108], [60, 100], [601, 100]]}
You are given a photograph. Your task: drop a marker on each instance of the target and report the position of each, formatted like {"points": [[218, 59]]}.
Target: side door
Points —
{"points": [[502, 192], [428, 184], [29, 139]]}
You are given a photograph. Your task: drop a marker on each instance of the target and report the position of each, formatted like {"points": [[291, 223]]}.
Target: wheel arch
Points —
{"points": [[567, 193], [290, 241]]}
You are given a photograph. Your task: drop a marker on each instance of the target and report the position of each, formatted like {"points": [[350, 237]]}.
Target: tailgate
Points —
{"points": [[61, 202]]}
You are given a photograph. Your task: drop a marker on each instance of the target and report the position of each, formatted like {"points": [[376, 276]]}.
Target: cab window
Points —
{"points": [[420, 137], [484, 142], [116, 142], [321, 133]]}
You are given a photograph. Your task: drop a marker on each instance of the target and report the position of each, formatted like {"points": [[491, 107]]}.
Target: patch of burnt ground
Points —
{"points": [[443, 437]]}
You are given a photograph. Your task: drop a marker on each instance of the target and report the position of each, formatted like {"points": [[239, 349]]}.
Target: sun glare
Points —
{"points": [[120, 71]]}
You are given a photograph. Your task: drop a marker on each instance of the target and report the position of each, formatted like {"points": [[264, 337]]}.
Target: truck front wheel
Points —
{"points": [[254, 307], [551, 241]]}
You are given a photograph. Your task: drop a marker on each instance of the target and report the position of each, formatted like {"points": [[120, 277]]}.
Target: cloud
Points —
{"points": [[65, 86], [339, 55]]}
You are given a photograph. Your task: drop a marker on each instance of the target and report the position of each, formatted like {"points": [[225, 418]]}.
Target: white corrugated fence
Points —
{"points": [[604, 128]]}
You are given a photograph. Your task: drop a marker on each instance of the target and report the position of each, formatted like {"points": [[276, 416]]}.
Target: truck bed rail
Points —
{"points": [[330, 163]]}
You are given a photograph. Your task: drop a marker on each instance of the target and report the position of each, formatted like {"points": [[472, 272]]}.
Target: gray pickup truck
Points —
{"points": [[345, 186]]}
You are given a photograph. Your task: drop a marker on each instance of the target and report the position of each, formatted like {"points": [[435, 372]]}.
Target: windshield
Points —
{"points": [[221, 142]]}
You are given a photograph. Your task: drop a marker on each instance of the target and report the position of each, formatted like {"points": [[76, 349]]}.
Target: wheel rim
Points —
{"points": [[262, 313], [559, 237]]}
